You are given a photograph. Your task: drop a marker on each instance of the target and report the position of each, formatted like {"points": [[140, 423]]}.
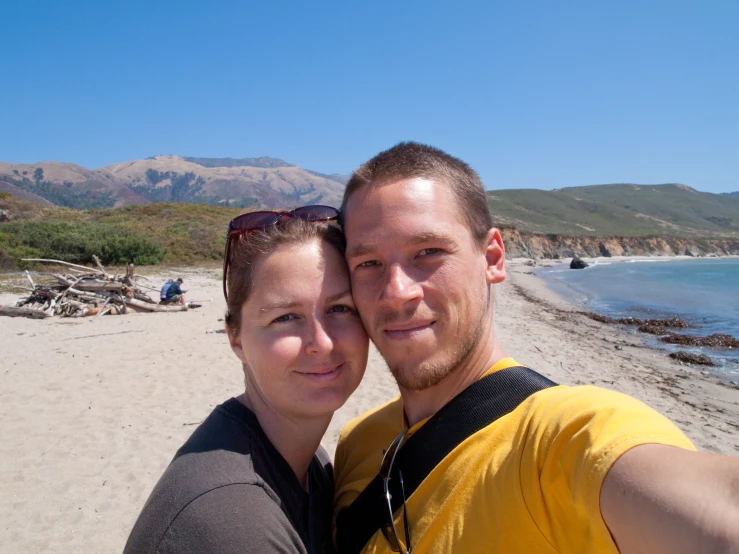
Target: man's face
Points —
{"points": [[419, 279]]}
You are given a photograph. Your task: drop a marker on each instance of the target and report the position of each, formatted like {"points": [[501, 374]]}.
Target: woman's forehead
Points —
{"points": [[299, 273]]}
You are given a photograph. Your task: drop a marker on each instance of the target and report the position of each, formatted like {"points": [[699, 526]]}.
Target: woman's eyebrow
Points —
{"points": [[335, 297], [295, 304], [279, 306]]}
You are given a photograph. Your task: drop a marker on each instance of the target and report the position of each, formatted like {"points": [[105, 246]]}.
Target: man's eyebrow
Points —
{"points": [[361, 250], [421, 238], [432, 236]]}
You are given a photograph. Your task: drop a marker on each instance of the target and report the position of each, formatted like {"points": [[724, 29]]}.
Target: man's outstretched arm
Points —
{"points": [[662, 499]]}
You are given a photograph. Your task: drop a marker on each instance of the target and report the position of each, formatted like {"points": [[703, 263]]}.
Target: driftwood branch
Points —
{"points": [[56, 262], [79, 291], [154, 307], [12, 311], [99, 266]]}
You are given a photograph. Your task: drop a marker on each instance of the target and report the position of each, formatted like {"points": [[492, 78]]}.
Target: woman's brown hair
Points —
{"points": [[248, 249]]}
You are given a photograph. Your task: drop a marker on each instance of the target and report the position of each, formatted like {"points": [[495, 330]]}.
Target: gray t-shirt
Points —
{"points": [[228, 490]]}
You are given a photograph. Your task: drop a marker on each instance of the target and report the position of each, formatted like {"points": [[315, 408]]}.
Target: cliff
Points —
{"points": [[532, 245]]}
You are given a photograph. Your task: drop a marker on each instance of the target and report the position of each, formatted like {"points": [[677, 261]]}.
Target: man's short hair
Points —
{"points": [[407, 160], [179, 280]]}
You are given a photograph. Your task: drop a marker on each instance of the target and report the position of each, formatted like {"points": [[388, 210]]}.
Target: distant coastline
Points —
{"points": [[559, 247]]}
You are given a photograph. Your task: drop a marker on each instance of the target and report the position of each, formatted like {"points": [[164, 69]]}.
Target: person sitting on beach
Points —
{"points": [[163, 292], [253, 477], [174, 294], [545, 468]]}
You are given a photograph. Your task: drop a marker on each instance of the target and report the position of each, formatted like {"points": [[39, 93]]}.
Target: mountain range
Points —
{"points": [[618, 210], [254, 183], [245, 183]]}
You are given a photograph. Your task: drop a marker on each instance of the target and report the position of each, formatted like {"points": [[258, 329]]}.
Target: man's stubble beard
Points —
{"points": [[429, 374]]}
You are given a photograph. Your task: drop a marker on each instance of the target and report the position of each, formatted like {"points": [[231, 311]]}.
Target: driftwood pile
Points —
{"points": [[82, 291]]}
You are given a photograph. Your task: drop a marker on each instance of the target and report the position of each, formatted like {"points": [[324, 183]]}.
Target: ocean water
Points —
{"points": [[704, 292]]}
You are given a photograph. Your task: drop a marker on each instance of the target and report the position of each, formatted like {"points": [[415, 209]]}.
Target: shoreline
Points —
{"points": [[94, 409], [726, 365], [704, 406]]}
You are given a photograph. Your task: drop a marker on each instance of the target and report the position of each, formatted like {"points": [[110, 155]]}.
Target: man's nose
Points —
{"points": [[400, 287], [318, 339]]}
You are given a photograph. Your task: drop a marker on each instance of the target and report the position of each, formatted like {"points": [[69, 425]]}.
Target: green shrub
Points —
{"points": [[77, 243], [124, 247]]}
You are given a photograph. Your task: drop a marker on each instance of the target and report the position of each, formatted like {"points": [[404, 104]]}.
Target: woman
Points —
{"points": [[253, 477]]}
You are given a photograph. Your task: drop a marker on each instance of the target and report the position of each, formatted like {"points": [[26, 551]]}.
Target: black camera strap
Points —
{"points": [[473, 409]]}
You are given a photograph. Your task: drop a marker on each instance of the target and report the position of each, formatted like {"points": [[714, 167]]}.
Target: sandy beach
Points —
{"points": [[94, 409]]}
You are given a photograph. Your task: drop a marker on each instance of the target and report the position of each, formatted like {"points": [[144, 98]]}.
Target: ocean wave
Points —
{"points": [[648, 261]]}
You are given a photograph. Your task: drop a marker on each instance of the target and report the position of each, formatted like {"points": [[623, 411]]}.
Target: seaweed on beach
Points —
{"points": [[661, 328], [645, 325], [716, 340]]}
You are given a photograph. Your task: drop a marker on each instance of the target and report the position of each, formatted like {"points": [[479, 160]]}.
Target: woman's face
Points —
{"points": [[302, 341]]}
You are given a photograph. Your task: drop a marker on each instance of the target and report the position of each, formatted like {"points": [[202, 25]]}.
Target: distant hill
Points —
{"points": [[246, 182], [735, 193], [617, 210], [184, 233]]}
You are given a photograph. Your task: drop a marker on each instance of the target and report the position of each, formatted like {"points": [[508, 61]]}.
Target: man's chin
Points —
{"points": [[421, 374]]}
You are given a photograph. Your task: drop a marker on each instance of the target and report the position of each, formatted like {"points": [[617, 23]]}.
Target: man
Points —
{"points": [[174, 294], [571, 469]]}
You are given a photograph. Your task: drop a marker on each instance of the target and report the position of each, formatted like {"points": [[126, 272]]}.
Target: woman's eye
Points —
{"points": [[369, 263], [283, 318]]}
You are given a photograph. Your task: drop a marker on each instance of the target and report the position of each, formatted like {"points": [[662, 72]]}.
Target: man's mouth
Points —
{"points": [[322, 374], [408, 329]]}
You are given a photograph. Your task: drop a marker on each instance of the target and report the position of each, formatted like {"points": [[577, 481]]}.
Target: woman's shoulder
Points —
{"points": [[236, 517], [213, 477]]}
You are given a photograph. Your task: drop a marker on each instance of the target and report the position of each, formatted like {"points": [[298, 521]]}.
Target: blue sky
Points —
{"points": [[531, 94]]}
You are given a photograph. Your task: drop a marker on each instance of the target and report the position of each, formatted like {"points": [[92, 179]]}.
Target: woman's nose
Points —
{"points": [[318, 340]]}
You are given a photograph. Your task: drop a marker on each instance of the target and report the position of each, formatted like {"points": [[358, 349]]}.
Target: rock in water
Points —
{"points": [[577, 263], [687, 357]]}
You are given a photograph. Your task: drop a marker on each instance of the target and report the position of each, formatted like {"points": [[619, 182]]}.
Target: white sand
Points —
{"points": [[93, 410]]}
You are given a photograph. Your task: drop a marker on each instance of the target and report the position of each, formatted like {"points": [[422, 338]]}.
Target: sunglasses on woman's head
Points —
{"points": [[254, 221]]}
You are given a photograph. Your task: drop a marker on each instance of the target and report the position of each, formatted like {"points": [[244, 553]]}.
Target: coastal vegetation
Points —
{"points": [[608, 220], [176, 233]]}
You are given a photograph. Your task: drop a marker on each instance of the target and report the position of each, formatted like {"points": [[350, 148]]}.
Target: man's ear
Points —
{"points": [[495, 257], [235, 342]]}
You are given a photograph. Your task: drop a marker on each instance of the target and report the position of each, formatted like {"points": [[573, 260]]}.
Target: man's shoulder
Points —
{"points": [[587, 398], [559, 414], [364, 436], [386, 417]]}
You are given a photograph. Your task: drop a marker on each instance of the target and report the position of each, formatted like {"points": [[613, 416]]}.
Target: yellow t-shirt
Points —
{"points": [[529, 482]]}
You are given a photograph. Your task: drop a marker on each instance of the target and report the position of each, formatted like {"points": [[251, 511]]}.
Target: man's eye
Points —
{"points": [[429, 251], [341, 309]]}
